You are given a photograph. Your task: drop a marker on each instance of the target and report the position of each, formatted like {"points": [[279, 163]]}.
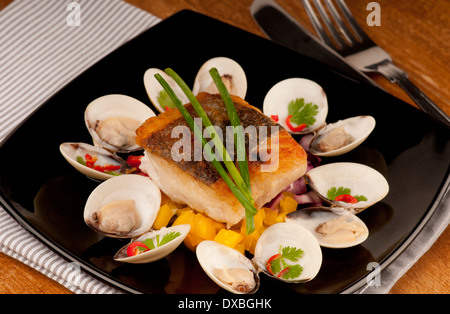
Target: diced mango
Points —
{"points": [[203, 227], [274, 216], [186, 217], [229, 238], [191, 241], [165, 213]]}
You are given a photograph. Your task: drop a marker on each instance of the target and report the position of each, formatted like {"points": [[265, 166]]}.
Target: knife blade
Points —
{"points": [[281, 28]]}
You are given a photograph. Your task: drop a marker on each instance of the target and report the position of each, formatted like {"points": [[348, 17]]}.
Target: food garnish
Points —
{"points": [[138, 247], [342, 194], [277, 265], [89, 161], [239, 187], [301, 114]]}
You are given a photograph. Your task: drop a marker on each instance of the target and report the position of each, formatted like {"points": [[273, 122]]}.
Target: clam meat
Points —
{"points": [[342, 136], [124, 207], [113, 119], [333, 227]]}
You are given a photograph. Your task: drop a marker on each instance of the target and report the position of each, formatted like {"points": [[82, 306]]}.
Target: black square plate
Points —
{"points": [[46, 195]]}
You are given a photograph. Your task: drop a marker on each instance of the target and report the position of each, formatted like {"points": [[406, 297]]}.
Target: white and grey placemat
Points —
{"points": [[43, 46]]}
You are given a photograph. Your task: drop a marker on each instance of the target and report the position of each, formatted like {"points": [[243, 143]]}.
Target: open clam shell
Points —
{"points": [[156, 92], [113, 119], [332, 227], [158, 252], [72, 152], [227, 267], [232, 75], [280, 96], [123, 207], [354, 180], [284, 236], [342, 136], [299, 258]]}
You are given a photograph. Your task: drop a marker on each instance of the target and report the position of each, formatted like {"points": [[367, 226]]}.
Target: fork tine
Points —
{"points": [[344, 31], [316, 23], [328, 24], [352, 22]]}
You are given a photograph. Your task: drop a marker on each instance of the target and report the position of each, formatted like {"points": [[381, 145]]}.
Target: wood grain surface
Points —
{"points": [[417, 36]]}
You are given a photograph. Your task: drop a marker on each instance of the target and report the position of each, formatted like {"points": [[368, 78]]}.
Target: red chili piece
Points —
{"points": [[269, 262], [298, 128], [134, 161], [91, 160], [275, 117], [346, 198], [283, 272], [133, 248]]}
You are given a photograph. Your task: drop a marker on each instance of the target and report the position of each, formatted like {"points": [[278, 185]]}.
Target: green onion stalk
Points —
{"points": [[239, 187]]}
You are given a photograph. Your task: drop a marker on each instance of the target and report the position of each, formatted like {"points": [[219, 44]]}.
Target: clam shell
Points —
{"points": [[281, 94], [71, 151], [282, 235], [213, 255], [358, 127], [311, 218], [359, 178], [154, 88], [225, 67], [142, 190], [115, 105], [158, 252]]}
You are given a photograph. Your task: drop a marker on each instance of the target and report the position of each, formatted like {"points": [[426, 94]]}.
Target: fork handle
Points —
{"points": [[397, 75]]}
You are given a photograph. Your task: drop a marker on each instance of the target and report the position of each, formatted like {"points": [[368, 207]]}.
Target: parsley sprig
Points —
{"points": [[302, 112], [278, 266], [165, 239], [335, 192]]}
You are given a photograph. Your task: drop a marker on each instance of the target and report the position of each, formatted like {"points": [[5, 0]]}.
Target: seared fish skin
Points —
{"points": [[197, 183]]}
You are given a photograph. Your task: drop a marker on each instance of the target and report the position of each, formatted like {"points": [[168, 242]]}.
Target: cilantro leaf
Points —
{"points": [[294, 272], [149, 243], [165, 239], [165, 100], [168, 237], [334, 192], [292, 254], [301, 112], [360, 198]]}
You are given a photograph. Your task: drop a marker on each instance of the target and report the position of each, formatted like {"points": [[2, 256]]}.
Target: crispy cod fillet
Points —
{"points": [[197, 183]]}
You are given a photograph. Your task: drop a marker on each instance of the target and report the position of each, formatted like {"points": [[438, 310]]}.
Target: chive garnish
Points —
{"points": [[239, 138], [238, 187]]}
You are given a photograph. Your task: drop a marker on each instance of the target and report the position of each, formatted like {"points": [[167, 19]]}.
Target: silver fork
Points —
{"points": [[359, 50]]}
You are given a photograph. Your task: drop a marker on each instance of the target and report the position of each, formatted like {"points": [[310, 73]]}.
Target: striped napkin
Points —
{"points": [[43, 46]]}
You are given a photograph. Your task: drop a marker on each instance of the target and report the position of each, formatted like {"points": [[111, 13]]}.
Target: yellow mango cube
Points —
{"points": [[186, 217], [203, 227], [165, 213], [191, 241], [229, 238]]}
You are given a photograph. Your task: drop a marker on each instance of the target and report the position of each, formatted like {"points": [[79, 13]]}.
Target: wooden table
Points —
{"points": [[417, 36]]}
